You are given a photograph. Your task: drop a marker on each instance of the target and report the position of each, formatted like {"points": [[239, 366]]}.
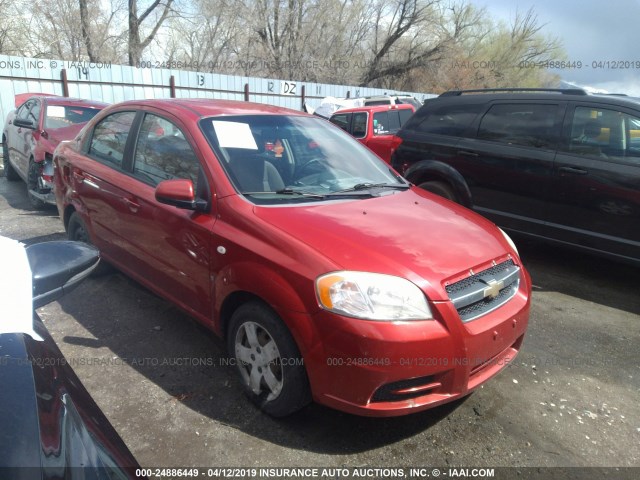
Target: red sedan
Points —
{"points": [[329, 276], [31, 134]]}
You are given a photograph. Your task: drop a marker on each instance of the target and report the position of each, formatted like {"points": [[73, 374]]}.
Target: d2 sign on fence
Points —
{"points": [[288, 88]]}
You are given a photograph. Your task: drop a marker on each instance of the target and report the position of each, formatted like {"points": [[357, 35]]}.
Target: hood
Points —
{"points": [[56, 135], [411, 234]]}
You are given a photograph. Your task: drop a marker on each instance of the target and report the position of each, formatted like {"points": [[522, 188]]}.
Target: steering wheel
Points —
{"points": [[313, 166]]}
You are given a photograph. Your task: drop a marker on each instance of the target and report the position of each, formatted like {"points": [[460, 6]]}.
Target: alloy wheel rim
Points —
{"points": [[80, 235], [258, 360]]}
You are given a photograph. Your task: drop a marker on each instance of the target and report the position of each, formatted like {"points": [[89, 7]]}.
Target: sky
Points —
{"points": [[592, 32]]}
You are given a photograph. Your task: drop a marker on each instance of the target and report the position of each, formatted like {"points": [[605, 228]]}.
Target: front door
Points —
{"points": [[508, 165], [172, 245]]}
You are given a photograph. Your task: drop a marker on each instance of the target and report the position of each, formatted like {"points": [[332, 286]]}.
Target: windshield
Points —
{"points": [[283, 159], [60, 116]]}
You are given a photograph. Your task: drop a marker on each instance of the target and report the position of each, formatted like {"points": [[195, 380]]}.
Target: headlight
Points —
{"points": [[372, 296], [508, 239]]}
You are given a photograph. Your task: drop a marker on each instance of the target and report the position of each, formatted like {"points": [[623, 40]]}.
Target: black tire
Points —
{"points": [[441, 189], [9, 171], [78, 232], [276, 387], [77, 229], [32, 184]]}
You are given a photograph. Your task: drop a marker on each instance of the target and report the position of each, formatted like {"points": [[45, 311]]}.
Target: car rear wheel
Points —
{"points": [[77, 229], [35, 171], [268, 361], [9, 171], [440, 188], [78, 232]]}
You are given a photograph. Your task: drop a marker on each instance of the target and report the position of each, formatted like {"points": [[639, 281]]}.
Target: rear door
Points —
{"points": [[595, 199], [508, 166], [98, 177]]}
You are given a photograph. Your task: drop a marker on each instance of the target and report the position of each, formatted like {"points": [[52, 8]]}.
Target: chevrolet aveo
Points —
{"points": [[329, 276]]}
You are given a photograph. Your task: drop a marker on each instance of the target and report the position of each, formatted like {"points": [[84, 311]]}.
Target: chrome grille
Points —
{"points": [[483, 292]]}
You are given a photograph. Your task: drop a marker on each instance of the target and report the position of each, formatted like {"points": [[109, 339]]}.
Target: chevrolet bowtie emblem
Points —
{"points": [[493, 289]]}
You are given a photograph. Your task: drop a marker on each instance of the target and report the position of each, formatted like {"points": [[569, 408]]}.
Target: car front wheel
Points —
{"points": [[271, 369], [441, 189], [33, 185]]}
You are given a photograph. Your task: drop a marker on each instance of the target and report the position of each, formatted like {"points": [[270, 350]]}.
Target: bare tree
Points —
{"points": [[86, 30], [9, 27], [420, 45], [207, 35], [411, 35], [157, 12]]}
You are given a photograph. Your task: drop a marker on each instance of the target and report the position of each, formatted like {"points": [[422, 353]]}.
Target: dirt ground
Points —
{"points": [[570, 398]]}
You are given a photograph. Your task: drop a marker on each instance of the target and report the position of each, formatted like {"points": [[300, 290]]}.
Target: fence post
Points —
{"points": [[65, 82], [172, 86], [246, 92], [302, 97]]}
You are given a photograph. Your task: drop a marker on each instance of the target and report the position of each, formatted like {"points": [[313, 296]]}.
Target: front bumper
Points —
{"points": [[48, 198], [395, 368]]}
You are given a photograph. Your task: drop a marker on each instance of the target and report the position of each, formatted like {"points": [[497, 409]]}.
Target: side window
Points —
{"points": [[342, 120], [34, 113], [163, 153], [404, 115], [381, 123], [530, 125], [604, 133], [385, 123], [25, 111], [359, 126], [394, 121], [110, 137], [448, 120]]}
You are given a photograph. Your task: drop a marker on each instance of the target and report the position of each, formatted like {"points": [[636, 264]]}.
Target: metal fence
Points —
{"points": [[115, 83]]}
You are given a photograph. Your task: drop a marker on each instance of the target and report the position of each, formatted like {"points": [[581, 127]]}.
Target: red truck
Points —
{"points": [[374, 126]]}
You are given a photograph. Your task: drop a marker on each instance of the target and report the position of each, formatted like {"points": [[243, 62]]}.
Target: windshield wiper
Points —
{"points": [[287, 191], [368, 186]]}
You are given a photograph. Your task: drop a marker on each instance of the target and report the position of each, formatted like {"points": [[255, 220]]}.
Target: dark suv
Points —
{"points": [[555, 164]]}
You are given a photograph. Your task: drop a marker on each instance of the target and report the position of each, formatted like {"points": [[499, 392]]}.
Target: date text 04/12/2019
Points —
{"points": [[579, 64]]}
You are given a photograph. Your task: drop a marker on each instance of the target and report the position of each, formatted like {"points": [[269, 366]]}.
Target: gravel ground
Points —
{"points": [[570, 399]]}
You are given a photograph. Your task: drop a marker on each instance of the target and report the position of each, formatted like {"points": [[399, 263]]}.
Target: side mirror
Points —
{"points": [[58, 267], [179, 193], [24, 123]]}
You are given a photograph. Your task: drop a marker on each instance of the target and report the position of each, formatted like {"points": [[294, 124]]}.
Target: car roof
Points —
{"points": [[205, 107], [75, 102], [52, 99], [376, 108], [479, 96]]}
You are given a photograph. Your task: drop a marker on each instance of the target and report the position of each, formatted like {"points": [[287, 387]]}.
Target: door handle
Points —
{"points": [[78, 176], [133, 206], [465, 153], [573, 170], [85, 180]]}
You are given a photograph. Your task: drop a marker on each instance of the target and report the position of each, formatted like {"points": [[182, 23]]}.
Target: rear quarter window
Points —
{"points": [[451, 120]]}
